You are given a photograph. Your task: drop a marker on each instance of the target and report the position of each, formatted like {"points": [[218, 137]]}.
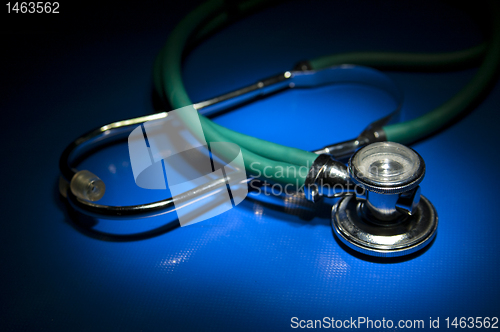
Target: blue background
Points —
{"points": [[265, 261]]}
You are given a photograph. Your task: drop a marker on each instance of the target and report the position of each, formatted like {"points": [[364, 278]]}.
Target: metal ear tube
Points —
{"points": [[381, 212]]}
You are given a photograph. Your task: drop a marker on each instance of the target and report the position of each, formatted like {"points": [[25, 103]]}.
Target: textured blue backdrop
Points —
{"points": [[264, 262]]}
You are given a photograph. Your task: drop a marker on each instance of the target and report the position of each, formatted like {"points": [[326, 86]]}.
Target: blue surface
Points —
{"points": [[265, 261]]}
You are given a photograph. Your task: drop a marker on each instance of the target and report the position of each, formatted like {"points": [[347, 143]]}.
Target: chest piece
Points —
{"points": [[388, 216]]}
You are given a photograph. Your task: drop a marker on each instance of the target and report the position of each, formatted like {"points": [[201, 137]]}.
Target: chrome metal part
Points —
{"points": [[327, 177], [373, 133], [407, 202], [391, 174], [382, 207], [165, 206], [387, 168], [253, 91], [390, 218], [408, 235]]}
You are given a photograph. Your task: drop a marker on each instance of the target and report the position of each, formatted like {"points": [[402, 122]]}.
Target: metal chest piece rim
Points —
{"points": [[411, 234], [389, 218]]}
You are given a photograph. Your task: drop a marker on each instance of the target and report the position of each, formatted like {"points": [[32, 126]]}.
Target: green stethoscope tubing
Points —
{"points": [[263, 156]]}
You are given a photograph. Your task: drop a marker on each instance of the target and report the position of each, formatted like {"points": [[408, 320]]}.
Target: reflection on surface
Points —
{"points": [[170, 263]]}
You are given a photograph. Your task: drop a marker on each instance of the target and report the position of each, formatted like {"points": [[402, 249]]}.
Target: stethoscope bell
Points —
{"points": [[387, 216]]}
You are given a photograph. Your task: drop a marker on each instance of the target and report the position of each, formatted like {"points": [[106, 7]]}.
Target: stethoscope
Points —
{"points": [[381, 211]]}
